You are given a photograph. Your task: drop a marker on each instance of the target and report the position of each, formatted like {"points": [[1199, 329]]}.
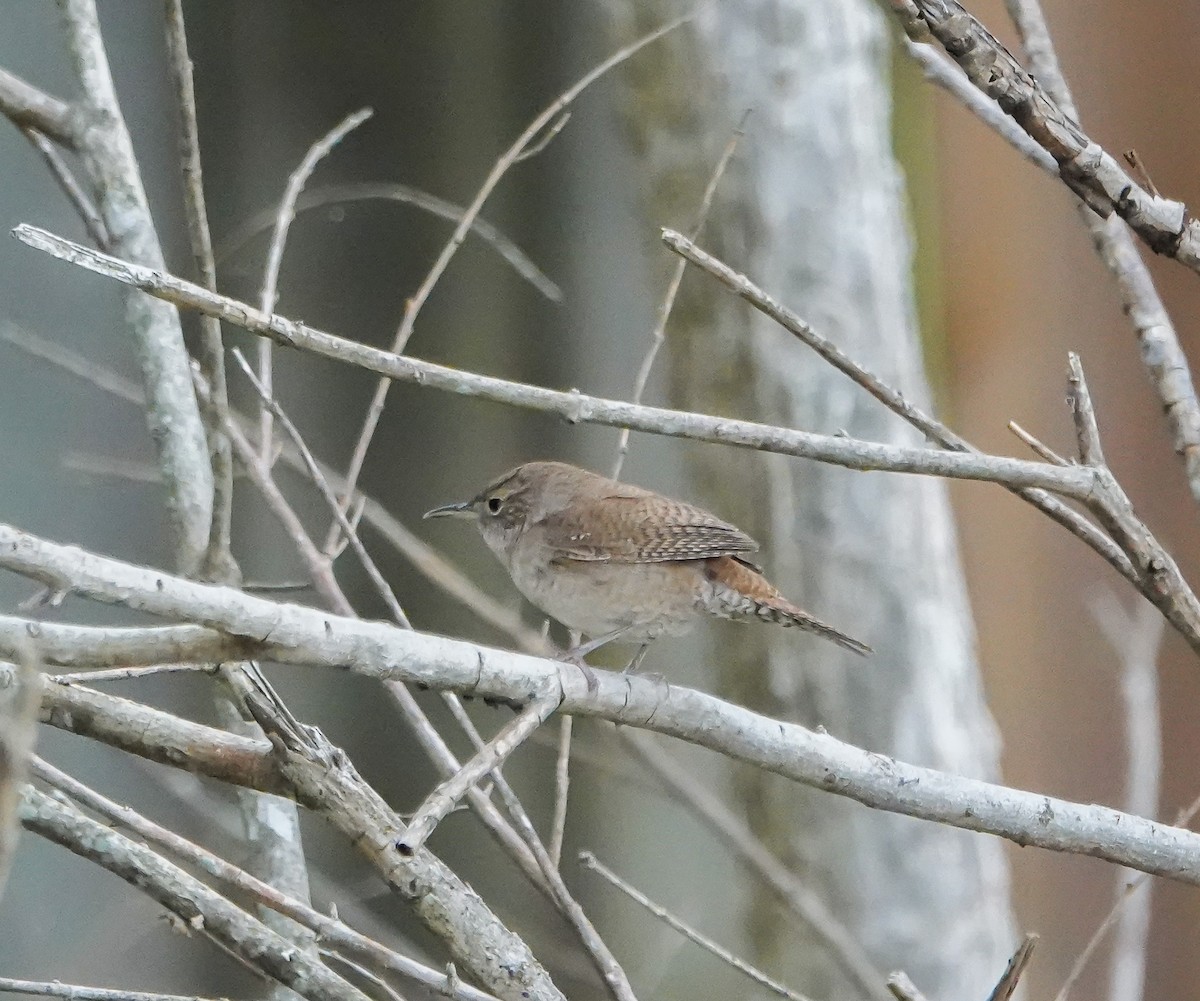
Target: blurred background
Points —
{"points": [[1006, 283]]}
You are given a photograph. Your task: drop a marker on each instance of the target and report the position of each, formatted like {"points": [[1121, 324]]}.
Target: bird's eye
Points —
{"points": [[494, 504]]}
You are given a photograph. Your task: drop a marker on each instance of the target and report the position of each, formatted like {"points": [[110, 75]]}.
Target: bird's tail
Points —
{"points": [[787, 614], [741, 592]]}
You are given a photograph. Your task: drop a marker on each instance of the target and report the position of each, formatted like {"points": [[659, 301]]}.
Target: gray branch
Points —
{"points": [[201, 908], [299, 635], [1164, 225], [173, 415], [573, 406], [19, 700]]}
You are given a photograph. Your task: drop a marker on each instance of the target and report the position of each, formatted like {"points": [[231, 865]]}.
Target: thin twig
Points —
{"points": [[1087, 431], [576, 407], [547, 138], [590, 861], [314, 471], [269, 296], [218, 561], [356, 191], [1136, 640], [746, 846], [413, 305], [1133, 158], [1008, 981], [446, 796], [79, 992], [130, 673], [562, 786], [597, 949], [390, 991], [1039, 447], [71, 187], [664, 312], [1114, 912]]}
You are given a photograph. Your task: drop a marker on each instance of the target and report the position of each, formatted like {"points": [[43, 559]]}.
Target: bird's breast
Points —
{"points": [[595, 598]]}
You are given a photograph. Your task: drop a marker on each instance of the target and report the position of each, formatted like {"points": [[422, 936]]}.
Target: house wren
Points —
{"points": [[616, 562]]}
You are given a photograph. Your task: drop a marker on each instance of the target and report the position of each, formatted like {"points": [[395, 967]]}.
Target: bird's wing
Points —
{"points": [[632, 526]]}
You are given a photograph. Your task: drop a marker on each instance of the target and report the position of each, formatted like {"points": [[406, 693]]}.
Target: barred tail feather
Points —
{"points": [[787, 614], [741, 592]]}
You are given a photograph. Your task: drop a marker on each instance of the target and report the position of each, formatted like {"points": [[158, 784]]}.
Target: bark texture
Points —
{"points": [[813, 210]]}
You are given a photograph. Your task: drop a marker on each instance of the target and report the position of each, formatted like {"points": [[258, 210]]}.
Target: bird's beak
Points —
{"points": [[463, 509]]}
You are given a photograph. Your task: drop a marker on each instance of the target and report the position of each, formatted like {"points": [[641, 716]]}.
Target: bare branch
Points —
{"points": [[172, 413], [574, 406], [1007, 983], [218, 561], [295, 634], [202, 909], [128, 673], [26, 106], [506, 160], [77, 992], [279, 234], [331, 931], [71, 188], [1086, 168], [1132, 549], [19, 703], [745, 846], [337, 194], [562, 786], [940, 71], [590, 861], [491, 756], [323, 777], [1162, 355]]}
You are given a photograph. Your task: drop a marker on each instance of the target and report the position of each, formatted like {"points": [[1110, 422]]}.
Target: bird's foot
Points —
{"points": [[573, 656]]}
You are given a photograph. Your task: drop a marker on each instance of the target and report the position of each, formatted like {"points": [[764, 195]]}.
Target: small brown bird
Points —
{"points": [[616, 562]]}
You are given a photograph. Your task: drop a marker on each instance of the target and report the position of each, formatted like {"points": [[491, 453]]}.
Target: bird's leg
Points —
{"points": [[572, 656], [579, 650]]}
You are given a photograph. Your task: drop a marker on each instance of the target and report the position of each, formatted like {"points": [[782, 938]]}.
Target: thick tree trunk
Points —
{"points": [[813, 210]]}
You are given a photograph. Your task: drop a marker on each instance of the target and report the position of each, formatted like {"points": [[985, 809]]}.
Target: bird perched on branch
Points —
{"points": [[619, 563]]}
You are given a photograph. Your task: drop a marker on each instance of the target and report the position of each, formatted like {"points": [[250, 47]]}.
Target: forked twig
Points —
{"points": [[445, 797]]}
